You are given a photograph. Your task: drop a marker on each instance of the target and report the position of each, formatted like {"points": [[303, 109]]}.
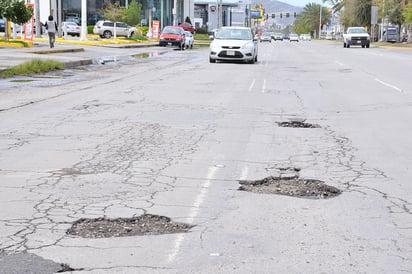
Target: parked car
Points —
{"points": [[278, 36], [189, 39], [293, 37], [71, 28], [105, 29], [266, 37], [188, 27], [305, 37], [234, 44], [174, 36], [2, 25]]}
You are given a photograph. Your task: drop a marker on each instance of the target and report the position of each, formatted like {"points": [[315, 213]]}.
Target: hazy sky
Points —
{"points": [[301, 3]]}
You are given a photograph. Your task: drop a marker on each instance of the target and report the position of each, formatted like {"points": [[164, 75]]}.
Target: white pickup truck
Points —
{"points": [[356, 36]]}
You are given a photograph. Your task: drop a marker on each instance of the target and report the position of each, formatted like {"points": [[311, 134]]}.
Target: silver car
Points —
{"points": [[234, 44], [105, 29]]}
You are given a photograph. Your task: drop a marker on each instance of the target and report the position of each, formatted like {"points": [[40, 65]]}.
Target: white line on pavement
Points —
{"points": [[245, 171], [264, 86], [252, 84], [388, 85], [194, 211]]}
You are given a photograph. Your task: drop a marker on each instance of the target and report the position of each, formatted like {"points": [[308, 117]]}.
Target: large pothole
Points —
{"points": [[291, 186], [120, 227]]}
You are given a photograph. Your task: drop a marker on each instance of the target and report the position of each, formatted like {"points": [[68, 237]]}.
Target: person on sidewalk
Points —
{"points": [[51, 27]]}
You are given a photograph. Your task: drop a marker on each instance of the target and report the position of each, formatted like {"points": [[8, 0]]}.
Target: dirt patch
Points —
{"points": [[292, 186], [297, 124], [120, 227]]}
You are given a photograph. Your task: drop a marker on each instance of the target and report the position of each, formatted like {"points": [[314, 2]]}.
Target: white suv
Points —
{"points": [[106, 29]]}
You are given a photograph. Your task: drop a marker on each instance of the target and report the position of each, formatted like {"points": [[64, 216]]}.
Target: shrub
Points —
{"points": [[32, 67]]}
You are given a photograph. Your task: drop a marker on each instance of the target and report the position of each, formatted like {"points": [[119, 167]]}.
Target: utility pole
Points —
{"points": [[320, 20], [83, 31], [220, 13], [37, 18]]}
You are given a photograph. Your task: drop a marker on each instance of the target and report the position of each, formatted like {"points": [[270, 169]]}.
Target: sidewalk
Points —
{"points": [[72, 51]]}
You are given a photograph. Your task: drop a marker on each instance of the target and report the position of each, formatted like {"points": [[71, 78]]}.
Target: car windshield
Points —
{"points": [[358, 30], [171, 31], [234, 34]]}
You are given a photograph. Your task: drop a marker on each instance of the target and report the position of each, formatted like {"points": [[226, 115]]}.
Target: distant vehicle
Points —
{"points": [[189, 39], [278, 36], [234, 44], [391, 34], [293, 37], [71, 28], [286, 36], [174, 36], [305, 37], [73, 17], [356, 36], [266, 37], [2, 25], [188, 27], [105, 29]]}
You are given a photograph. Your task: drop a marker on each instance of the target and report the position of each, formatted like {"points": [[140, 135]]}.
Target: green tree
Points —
{"points": [[133, 14], [15, 11], [407, 13], [309, 19], [357, 13]]}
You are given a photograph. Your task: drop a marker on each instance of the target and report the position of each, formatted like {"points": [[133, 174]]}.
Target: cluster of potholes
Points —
{"points": [[288, 183]]}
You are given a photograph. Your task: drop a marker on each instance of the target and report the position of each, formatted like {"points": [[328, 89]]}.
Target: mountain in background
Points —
{"points": [[277, 7]]}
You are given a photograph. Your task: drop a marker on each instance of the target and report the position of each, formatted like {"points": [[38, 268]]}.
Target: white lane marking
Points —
{"points": [[264, 86], [244, 174], [200, 198], [252, 84], [339, 63], [388, 85]]}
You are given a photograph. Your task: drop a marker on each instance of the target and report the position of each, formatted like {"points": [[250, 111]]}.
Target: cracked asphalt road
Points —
{"points": [[173, 135]]}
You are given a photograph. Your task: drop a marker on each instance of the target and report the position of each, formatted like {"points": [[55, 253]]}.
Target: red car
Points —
{"points": [[188, 27], [174, 36]]}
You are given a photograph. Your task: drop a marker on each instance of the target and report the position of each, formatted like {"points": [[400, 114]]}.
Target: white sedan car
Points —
{"points": [[189, 39], [234, 44]]}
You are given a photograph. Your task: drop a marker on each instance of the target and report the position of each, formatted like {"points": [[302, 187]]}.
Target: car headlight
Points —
{"points": [[248, 46], [214, 47]]}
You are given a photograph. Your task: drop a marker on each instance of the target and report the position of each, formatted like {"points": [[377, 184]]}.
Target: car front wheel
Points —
{"points": [[107, 34]]}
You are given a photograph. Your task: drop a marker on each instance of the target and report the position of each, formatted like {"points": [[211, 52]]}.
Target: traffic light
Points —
{"points": [[273, 15], [267, 16], [294, 14], [287, 15], [280, 15]]}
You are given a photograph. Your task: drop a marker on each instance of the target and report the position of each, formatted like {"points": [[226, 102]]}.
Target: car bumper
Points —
{"points": [[358, 42], [232, 55], [165, 42]]}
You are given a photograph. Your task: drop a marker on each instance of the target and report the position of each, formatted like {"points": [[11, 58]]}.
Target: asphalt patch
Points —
{"points": [[291, 186], [31, 263], [146, 224]]}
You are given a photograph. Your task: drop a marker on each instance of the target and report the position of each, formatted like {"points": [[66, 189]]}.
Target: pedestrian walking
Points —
{"points": [[51, 27]]}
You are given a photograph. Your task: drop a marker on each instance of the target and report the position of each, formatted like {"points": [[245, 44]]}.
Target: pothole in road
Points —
{"points": [[291, 186], [146, 224], [297, 124]]}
